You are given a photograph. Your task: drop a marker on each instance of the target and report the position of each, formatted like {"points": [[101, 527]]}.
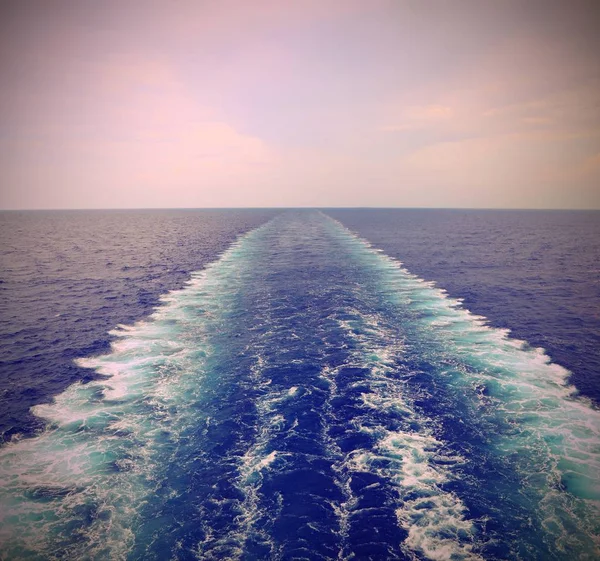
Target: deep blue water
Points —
{"points": [[67, 278], [303, 396], [534, 272]]}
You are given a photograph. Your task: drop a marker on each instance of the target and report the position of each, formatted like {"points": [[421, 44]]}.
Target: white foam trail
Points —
{"points": [[100, 482], [437, 522], [96, 463], [555, 441], [411, 457]]}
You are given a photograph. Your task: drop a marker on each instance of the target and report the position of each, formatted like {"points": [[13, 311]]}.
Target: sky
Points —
{"points": [[318, 103]]}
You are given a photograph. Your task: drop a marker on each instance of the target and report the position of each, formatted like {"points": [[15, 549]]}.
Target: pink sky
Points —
{"points": [[313, 103]]}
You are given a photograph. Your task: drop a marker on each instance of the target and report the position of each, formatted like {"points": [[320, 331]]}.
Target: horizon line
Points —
{"points": [[357, 207]]}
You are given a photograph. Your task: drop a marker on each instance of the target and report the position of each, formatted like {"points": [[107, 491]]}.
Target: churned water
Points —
{"points": [[68, 277], [304, 396]]}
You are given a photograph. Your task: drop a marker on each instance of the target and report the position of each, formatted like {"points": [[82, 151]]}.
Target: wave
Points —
{"points": [[522, 413], [78, 489], [305, 396]]}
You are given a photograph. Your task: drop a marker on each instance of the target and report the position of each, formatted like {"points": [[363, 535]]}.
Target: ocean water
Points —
{"points": [[68, 277], [534, 272], [306, 396]]}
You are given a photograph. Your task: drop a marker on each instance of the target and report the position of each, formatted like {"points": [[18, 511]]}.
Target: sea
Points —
{"points": [[317, 384]]}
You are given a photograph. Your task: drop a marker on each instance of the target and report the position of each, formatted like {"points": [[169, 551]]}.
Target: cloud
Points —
{"points": [[343, 102], [419, 117], [590, 166], [137, 133]]}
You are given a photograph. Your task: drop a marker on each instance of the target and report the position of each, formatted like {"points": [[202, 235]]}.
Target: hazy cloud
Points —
{"points": [[153, 103]]}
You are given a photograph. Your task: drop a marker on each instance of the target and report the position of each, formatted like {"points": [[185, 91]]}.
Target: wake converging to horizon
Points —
{"points": [[299, 281], [305, 396]]}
